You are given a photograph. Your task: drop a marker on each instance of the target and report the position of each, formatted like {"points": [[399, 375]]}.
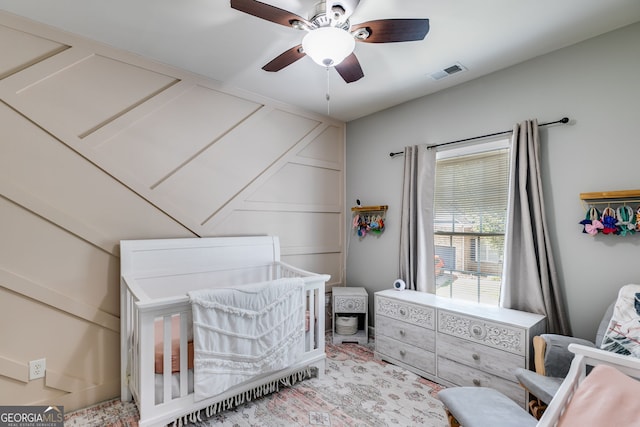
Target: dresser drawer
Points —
{"points": [[406, 332], [480, 357], [415, 314], [463, 375], [350, 304], [496, 335], [408, 354]]}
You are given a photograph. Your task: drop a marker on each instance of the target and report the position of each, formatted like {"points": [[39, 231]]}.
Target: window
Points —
{"points": [[470, 214], [480, 252]]}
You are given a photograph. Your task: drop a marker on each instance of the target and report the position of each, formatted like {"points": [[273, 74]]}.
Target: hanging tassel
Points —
{"points": [[626, 220], [609, 221]]}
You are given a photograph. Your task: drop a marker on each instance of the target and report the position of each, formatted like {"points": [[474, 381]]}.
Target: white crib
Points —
{"points": [[156, 274]]}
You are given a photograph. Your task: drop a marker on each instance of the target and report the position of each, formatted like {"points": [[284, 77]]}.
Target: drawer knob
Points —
{"points": [[475, 356], [476, 382], [402, 332], [477, 331], [402, 353], [403, 312]]}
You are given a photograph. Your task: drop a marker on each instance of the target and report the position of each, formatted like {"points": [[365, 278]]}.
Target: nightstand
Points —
{"points": [[350, 315]]}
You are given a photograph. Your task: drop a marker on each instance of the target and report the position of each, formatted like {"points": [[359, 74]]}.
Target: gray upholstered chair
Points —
{"points": [[552, 361], [607, 398]]}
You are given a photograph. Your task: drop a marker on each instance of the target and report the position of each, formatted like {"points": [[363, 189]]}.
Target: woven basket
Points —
{"points": [[346, 324]]}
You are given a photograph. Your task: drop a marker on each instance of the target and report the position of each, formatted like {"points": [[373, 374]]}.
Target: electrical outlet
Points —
{"points": [[37, 368]]}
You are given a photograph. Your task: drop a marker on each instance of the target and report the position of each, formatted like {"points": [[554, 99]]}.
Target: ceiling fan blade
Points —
{"points": [[350, 69], [266, 11], [393, 30], [286, 58]]}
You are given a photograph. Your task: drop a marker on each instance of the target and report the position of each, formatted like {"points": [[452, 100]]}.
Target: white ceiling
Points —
{"points": [[209, 38]]}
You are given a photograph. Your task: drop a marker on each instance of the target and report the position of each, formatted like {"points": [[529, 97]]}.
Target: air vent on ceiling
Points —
{"points": [[448, 71]]}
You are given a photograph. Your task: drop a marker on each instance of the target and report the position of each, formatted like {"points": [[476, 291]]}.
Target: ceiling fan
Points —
{"points": [[331, 37]]}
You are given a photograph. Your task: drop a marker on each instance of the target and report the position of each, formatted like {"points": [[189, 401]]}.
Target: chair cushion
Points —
{"points": [[484, 407], [557, 358], [606, 397], [544, 388]]}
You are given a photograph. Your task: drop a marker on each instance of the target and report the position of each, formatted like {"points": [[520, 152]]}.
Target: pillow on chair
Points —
{"points": [[623, 334], [606, 397]]}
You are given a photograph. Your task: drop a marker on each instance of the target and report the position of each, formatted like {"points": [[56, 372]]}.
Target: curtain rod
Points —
{"points": [[563, 120]]}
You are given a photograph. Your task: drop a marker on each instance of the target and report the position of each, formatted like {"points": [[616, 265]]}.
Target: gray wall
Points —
{"points": [[596, 84]]}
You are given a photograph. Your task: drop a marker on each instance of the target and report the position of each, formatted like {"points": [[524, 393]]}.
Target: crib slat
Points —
{"points": [[319, 290], [184, 355], [166, 361], [312, 319]]}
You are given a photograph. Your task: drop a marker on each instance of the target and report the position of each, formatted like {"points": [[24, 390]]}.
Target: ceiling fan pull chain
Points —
{"points": [[327, 96]]}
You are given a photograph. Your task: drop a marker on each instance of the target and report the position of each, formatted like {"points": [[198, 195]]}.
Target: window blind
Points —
{"points": [[471, 193]]}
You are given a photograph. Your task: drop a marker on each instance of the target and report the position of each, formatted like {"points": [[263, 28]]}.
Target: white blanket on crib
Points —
{"points": [[245, 331]]}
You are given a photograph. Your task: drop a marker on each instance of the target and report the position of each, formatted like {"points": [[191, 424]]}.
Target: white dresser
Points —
{"points": [[455, 343]]}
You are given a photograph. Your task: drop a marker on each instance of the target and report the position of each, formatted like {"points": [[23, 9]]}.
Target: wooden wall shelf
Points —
{"points": [[606, 195], [369, 208]]}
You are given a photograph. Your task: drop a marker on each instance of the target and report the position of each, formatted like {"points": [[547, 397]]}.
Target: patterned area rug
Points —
{"points": [[355, 391]]}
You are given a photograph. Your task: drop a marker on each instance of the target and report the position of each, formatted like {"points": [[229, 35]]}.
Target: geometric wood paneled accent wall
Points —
{"points": [[99, 145]]}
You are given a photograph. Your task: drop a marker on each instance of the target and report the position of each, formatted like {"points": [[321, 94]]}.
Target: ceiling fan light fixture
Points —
{"points": [[328, 46]]}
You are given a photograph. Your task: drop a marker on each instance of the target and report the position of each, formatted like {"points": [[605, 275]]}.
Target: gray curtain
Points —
{"points": [[416, 220], [530, 281]]}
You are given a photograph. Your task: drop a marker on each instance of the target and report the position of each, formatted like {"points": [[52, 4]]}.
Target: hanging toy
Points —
{"points": [[373, 223], [362, 226], [638, 219], [594, 227], [376, 224], [591, 222], [609, 221], [626, 220]]}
